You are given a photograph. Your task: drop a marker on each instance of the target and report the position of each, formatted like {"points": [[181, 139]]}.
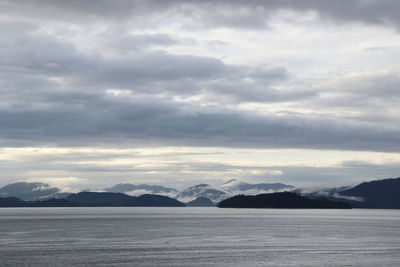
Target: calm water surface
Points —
{"points": [[198, 237]]}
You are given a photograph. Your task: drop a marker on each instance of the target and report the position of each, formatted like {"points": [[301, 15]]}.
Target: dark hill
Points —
{"points": [[149, 200], [106, 199], [11, 202], [101, 199], [283, 200], [200, 202], [382, 194], [54, 202]]}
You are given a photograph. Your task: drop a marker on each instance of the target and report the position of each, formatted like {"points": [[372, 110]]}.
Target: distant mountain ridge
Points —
{"points": [[375, 194]]}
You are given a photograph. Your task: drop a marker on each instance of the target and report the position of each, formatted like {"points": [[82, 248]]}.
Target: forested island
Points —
{"points": [[282, 200]]}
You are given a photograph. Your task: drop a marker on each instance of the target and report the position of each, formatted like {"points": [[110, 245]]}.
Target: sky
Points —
{"points": [[176, 93]]}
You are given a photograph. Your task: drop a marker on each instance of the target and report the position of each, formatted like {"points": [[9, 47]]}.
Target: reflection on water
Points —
{"points": [[198, 236]]}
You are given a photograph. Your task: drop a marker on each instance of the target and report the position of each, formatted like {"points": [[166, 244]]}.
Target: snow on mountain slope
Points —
{"points": [[202, 190], [29, 191], [228, 189], [235, 186]]}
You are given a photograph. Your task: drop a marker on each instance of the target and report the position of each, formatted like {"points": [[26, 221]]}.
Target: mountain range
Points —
{"points": [[41, 191], [228, 189], [375, 194]]}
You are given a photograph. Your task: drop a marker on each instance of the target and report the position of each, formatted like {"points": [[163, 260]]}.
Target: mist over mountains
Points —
{"points": [[214, 193], [137, 190], [375, 194], [41, 191], [31, 191]]}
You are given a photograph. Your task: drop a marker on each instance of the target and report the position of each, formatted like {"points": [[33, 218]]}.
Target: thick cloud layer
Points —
{"points": [[220, 13], [314, 76]]}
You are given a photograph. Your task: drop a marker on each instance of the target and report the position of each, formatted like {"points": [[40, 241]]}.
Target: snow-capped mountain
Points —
{"points": [[137, 190], [228, 189], [202, 190], [31, 191], [235, 186]]}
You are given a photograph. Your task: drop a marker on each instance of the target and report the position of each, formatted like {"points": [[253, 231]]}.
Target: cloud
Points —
{"points": [[377, 84], [66, 184], [40, 62], [359, 199], [221, 13], [366, 97], [57, 93], [122, 41], [46, 70], [114, 120], [45, 55], [222, 74], [96, 167]]}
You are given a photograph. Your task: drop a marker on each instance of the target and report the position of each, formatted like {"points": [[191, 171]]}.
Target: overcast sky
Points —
{"points": [[94, 93]]}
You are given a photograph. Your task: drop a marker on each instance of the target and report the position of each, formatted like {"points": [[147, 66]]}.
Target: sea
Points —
{"points": [[135, 236]]}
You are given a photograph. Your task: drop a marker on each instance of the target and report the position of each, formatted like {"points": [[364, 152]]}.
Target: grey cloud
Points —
{"points": [[373, 11], [256, 93], [54, 93], [112, 121], [122, 42], [369, 85], [160, 66], [277, 73], [37, 58], [69, 116], [249, 14], [372, 95], [139, 40], [42, 54]]}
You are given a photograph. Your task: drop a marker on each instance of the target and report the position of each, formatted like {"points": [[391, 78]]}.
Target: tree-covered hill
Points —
{"points": [[281, 200]]}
